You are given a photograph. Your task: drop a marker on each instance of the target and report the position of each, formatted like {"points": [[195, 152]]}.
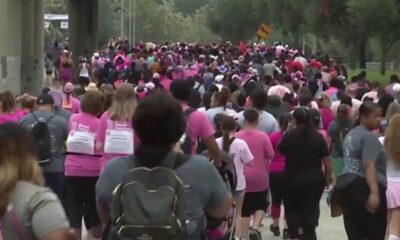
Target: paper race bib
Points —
{"points": [[80, 142], [119, 141]]}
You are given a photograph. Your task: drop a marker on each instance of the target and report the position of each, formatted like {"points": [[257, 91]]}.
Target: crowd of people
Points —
{"points": [[190, 141]]}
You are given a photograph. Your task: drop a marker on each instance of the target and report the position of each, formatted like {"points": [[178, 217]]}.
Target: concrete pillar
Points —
{"points": [[38, 48], [21, 46], [27, 44], [83, 26], [10, 45]]}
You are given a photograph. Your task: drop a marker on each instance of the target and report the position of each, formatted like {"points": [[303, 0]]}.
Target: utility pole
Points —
{"points": [[122, 18], [130, 23], [134, 23]]}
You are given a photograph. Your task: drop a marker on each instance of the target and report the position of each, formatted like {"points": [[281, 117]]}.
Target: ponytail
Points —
{"points": [[228, 125], [222, 97], [225, 142]]}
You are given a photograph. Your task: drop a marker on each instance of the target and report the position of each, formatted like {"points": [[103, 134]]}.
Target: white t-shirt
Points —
{"points": [[392, 172], [84, 72], [241, 155]]}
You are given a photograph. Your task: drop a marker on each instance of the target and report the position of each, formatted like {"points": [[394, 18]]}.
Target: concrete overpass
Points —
{"points": [[22, 40]]}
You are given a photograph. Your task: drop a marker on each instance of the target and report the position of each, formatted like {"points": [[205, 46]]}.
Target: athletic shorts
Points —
{"points": [[254, 201]]}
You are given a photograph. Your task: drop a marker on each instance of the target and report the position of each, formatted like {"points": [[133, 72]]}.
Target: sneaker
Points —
{"points": [[286, 234], [254, 234], [275, 230]]}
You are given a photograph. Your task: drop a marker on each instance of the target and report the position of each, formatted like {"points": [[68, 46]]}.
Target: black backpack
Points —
{"points": [[148, 204], [41, 137], [187, 144]]}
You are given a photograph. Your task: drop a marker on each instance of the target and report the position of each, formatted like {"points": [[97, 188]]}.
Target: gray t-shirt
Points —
{"points": [[32, 213], [204, 187], [58, 129], [212, 112], [362, 145], [63, 113], [266, 122], [269, 69]]}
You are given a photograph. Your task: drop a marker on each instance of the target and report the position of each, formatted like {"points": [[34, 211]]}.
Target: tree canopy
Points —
{"points": [[353, 24]]}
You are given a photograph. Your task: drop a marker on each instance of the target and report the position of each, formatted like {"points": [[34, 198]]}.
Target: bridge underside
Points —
{"points": [[22, 40]]}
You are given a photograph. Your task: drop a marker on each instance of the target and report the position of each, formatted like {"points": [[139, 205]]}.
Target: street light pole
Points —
{"points": [[130, 22], [134, 23], [122, 18]]}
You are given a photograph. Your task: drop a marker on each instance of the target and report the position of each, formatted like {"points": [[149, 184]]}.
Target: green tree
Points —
{"points": [[386, 30], [237, 19], [288, 16]]}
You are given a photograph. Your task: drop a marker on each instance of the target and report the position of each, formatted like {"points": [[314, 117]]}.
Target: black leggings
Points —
{"points": [[359, 223], [82, 202], [302, 208]]}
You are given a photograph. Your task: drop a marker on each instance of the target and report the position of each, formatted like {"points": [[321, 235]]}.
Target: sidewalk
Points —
{"points": [[329, 228]]}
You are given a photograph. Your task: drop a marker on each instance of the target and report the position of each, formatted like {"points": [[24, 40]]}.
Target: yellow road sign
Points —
{"points": [[264, 31]]}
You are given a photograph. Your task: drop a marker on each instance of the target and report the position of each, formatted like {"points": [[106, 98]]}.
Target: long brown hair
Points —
{"points": [[392, 140], [124, 103], [8, 102], [228, 124], [393, 109], [17, 162], [222, 97]]}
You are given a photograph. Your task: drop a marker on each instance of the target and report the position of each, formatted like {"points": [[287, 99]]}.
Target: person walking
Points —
{"points": [[28, 210], [306, 151], [363, 180]]}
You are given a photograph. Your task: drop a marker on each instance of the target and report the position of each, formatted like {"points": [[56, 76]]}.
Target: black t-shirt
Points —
{"points": [[304, 154]]}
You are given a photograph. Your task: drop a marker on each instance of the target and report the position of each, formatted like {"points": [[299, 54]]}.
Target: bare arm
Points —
{"points": [[328, 170], [60, 234], [213, 149], [370, 175], [104, 214], [222, 210]]}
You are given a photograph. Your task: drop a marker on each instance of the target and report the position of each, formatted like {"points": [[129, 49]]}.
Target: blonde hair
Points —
{"points": [[17, 162], [392, 140], [326, 101], [393, 109], [124, 103]]}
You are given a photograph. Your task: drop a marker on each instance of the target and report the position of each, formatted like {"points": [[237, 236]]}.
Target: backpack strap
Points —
{"points": [[188, 112], [180, 160], [47, 121], [17, 225]]}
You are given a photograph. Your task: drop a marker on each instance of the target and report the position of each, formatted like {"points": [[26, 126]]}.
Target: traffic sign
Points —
{"points": [[264, 31]]}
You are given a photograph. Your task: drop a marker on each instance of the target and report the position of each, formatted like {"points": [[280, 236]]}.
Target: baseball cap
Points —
{"points": [[45, 99]]}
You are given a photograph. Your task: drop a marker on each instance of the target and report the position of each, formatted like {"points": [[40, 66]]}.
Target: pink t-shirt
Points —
{"points": [[74, 105], [79, 164], [263, 152], [166, 83], [327, 117], [106, 124], [198, 127], [331, 91], [241, 155], [278, 162], [14, 117]]}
